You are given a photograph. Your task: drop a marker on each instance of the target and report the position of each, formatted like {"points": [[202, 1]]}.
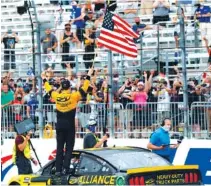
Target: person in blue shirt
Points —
{"points": [[139, 27], [32, 105], [160, 141], [77, 19], [203, 14]]}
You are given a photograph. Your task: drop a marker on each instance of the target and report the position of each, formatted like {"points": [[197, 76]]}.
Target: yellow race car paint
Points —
{"points": [[162, 168]]}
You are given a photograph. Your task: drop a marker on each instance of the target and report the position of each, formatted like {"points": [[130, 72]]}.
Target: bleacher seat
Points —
{"points": [[21, 24]]}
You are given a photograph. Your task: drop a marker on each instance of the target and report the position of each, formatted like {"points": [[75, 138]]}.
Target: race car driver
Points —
{"points": [[66, 102]]}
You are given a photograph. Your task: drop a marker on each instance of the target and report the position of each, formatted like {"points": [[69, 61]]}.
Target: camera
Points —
{"points": [[9, 33], [105, 142], [24, 126], [191, 88], [51, 81], [205, 85]]}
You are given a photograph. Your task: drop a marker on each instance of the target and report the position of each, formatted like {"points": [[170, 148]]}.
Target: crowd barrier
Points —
{"points": [[188, 153], [130, 120], [200, 119]]}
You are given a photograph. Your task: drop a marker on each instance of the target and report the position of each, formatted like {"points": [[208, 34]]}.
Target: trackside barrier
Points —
{"points": [[15, 113], [88, 114], [188, 153], [200, 115], [131, 120]]}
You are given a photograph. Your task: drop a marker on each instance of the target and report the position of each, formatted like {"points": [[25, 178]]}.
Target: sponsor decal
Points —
{"points": [[150, 181], [26, 180], [120, 181], [93, 180], [73, 181], [169, 179], [4, 171], [52, 156]]}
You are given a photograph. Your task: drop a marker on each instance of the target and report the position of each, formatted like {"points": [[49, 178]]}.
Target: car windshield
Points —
{"points": [[129, 160]]}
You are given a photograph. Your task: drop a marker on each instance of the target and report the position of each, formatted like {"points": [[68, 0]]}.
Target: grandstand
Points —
{"points": [[157, 51]]}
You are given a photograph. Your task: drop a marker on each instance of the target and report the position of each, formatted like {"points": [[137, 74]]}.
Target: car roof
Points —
{"points": [[102, 152]]}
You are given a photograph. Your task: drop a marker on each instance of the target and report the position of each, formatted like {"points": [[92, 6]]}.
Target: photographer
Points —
{"points": [[66, 102], [163, 98], [124, 91], [22, 155], [68, 41], [49, 44], [89, 40], [9, 39], [90, 139]]}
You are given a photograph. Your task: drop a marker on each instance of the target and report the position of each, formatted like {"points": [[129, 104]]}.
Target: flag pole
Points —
{"points": [[141, 52], [111, 97]]}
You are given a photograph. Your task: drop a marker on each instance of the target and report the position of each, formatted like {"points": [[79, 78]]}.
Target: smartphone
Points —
{"points": [[165, 145]]}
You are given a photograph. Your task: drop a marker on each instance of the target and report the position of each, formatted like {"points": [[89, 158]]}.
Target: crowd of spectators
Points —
{"points": [[82, 31], [139, 97]]}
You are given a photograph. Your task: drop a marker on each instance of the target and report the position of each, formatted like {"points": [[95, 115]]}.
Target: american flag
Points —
{"points": [[117, 35]]}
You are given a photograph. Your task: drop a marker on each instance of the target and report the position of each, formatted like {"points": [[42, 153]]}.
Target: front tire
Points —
{"points": [[14, 183]]}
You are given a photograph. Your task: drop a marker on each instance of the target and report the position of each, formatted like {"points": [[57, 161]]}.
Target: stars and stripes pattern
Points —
{"points": [[117, 35]]}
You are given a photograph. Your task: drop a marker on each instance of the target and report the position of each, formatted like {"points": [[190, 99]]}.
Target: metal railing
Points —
{"points": [[200, 119], [130, 121], [152, 53], [143, 118]]}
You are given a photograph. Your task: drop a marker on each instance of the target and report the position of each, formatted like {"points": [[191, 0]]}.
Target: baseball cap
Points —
{"points": [[137, 76], [19, 80], [74, 3], [91, 128], [99, 14], [67, 24], [9, 31], [65, 84], [140, 83], [32, 96]]}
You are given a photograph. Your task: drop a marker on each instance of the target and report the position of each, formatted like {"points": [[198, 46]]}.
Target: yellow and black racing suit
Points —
{"points": [[66, 102]]}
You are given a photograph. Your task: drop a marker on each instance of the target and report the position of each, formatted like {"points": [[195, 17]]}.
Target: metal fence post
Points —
{"points": [[76, 65], [111, 110], [158, 49], [167, 65], [141, 52], [40, 94], [184, 71]]}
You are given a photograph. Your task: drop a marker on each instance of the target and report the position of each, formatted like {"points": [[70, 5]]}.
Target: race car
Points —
{"points": [[116, 166]]}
